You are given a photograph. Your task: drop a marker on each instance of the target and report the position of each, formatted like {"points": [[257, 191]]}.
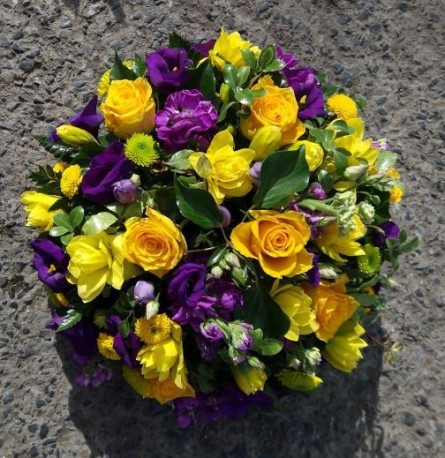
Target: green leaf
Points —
{"points": [[341, 126], [59, 150], [274, 66], [133, 209], [57, 231], [98, 223], [197, 205], [282, 174], [180, 160], [165, 199], [270, 347], [76, 216], [176, 41], [249, 58], [340, 160], [63, 220], [326, 180], [65, 239], [223, 111], [230, 75], [140, 66], [325, 137], [410, 246], [72, 317], [243, 74], [263, 312], [124, 328], [203, 78], [365, 300], [385, 160], [267, 56], [216, 256], [121, 72]]}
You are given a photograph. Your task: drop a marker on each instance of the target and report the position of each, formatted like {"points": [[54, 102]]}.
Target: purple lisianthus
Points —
{"points": [[125, 191], [313, 275], [241, 336], [88, 119], [186, 118], [204, 48], [211, 332], [94, 376], [188, 284], [390, 231], [228, 401], [168, 69], [106, 168], [82, 336], [51, 264], [289, 59]]}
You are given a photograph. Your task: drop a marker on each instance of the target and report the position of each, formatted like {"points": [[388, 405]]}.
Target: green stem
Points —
{"points": [[313, 204]]}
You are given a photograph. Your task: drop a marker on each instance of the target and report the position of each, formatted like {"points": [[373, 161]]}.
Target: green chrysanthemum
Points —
{"points": [[140, 149], [299, 381], [369, 263]]}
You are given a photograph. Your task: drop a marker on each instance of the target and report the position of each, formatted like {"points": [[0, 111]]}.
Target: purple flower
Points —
{"points": [[226, 216], [87, 119], [228, 294], [204, 48], [317, 191], [125, 191], [255, 171], [51, 264], [186, 118], [144, 291], [106, 168], [167, 69], [391, 231], [313, 275], [93, 376], [241, 336], [289, 59], [211, 332], [208, 348], [188, 284], [82, 336]]}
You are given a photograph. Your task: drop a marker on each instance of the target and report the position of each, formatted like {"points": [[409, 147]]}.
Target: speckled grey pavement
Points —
{"points": [[52, 52]]}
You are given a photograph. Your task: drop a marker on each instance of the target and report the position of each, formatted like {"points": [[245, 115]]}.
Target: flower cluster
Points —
{"points": [[215, 227]]}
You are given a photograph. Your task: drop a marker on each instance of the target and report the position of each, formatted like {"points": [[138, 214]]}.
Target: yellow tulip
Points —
{"points": [[74, 136]]}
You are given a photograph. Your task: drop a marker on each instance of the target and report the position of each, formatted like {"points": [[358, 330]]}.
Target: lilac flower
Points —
{"points": [[82, 336], [317, 191], [144, 291], [106, 168], [168, 69], [391, 231], [51, 264], [88, 119], [186, 118], [228, 401], [125, 191]]}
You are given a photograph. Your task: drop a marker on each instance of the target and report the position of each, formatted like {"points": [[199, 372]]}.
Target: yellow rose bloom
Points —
{"points": [[276, 240], [343, 351], [343, 106], [228, 174], [37, 206], [71, 180], [154, 243], [313, 153], [278, 107], [163, 392], [129, 107], [265, 141], [331, 305], [249, 380], [165, 359], [227, 50], [333, 244], [297, 306], [96, 261]]}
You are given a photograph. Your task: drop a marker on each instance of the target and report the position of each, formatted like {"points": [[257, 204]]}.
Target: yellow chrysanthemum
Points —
{"points": [[140, 149], [105, 80], [70, 181], [60, 166], [298, 381], [343, 351], [105, 346], [343, 106], [369, 263], [155, 330]]}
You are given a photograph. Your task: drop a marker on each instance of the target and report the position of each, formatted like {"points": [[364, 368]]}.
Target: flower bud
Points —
{"points": [[366, 212], [151, 308], [135, 179], [224, 93], [265, 141], [226, 216], [232, 259], [255, 171], [317, 191], [217, 272], [144, 291], [354, 172], [125, 191], [313, 356], [211, 331], [74, 136]]}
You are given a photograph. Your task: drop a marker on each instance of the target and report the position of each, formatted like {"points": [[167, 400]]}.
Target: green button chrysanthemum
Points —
{"points": [[369, 263], [140, 149]]}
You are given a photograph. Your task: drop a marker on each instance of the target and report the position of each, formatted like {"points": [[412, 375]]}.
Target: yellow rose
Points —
{"points": [[129, 107], [250, 379], [331, 305], [313, 153], [265, 141], [154, 243], [96, 261], [343, 351], [227, 173], [37, 206], [278, 107], [297, 306], [227, 50], [277, 240]]}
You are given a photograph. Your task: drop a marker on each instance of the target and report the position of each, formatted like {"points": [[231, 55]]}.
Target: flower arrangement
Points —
{"points": [[215, 227]]}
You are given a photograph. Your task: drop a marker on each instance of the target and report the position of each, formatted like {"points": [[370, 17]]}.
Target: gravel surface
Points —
{"points": [[52, 52]]}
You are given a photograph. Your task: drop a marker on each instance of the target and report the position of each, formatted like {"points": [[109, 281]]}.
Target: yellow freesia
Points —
{"points": [[37, 206], [250, 379], [343, 351], [95, 261], [297, 306], [333, 244], [227, 170], [74, 136]]}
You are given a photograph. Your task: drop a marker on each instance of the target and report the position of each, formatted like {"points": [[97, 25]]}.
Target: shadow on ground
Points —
{"points": [[336, 422]]}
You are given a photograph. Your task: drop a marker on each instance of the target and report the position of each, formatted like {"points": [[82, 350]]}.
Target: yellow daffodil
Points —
{"points": [[249, 379], [37, 206]]}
